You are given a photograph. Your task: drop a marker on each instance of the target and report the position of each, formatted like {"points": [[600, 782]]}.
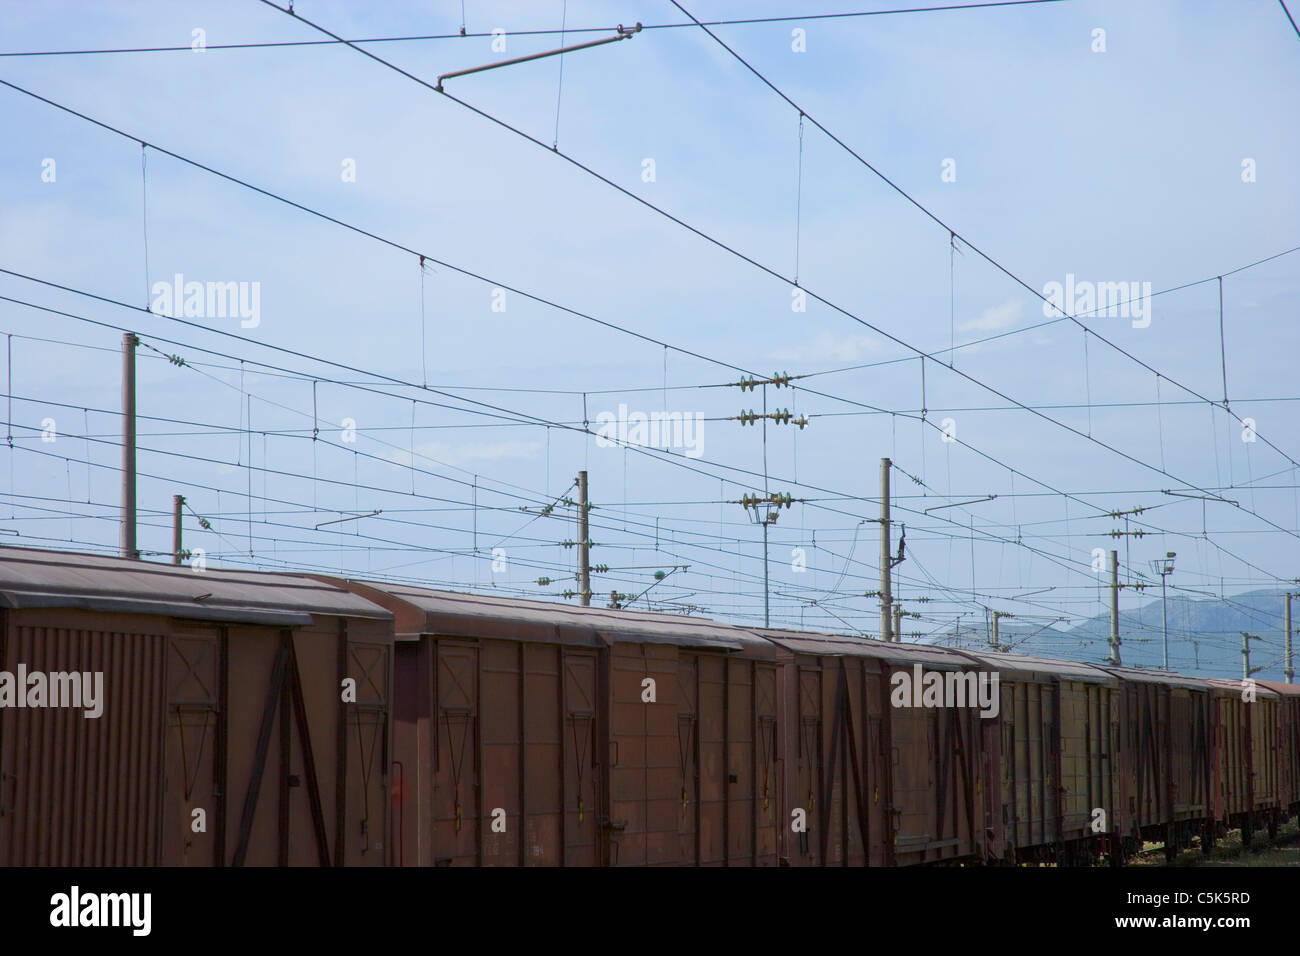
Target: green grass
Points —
{"points": [[1230, 851]]}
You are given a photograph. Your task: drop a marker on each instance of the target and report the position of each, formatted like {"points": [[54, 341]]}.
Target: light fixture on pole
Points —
{"points": [[1164, 567]]}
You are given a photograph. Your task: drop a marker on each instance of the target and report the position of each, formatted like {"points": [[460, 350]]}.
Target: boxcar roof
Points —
{"points": [[1265, 689], [1142, 675], [1067, 670], [829, 645], [1286, 690], [514, 618], [31, 578]]}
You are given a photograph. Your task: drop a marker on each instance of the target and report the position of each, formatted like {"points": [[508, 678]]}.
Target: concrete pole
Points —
{"points": [[1245, 654], [885, 599], [127, 537], [1287, 669], [584, 552], [996, 642], [1114, 608], [177, 501]]}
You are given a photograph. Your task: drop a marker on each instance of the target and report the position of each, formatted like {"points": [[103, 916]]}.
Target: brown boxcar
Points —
{"points": [[1166, 759], [726, 797], [1057, 734], [224, 737], [529, 733], [872, 783], [1288, 743], [1248, 782]]}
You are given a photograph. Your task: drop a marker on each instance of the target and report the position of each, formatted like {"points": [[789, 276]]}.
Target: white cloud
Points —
{"points": [[995, 318], [826, 347]]}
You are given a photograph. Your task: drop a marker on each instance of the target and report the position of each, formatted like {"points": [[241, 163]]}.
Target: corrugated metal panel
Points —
{"points": [[80, 791], [242, 722], [40, 577]]}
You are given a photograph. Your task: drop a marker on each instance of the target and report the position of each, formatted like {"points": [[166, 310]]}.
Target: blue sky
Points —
{"points": [[1117, 166]]}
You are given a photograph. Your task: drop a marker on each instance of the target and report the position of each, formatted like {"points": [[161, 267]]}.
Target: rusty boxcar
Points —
{"points": [[873, 783], [1166, 760], [1288, 743], [1248, 759], [530, 733], [151, 715], [224, 736], [1055, 746]]}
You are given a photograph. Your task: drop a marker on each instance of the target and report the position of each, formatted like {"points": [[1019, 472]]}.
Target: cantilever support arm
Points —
{"points": [[624, 33], [958, 504], [349, 518]]}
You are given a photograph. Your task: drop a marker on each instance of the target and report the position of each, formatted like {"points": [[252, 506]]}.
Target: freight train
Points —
{"points": [[155, 715]]}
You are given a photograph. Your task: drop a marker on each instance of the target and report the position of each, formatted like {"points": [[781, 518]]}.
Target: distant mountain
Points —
{"points": [[1204, 635]]}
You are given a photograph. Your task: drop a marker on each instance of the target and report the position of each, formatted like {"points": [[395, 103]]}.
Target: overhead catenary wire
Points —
{"points": [[545, 422], [734, 252], [1093, 506], [473, 275], [666, 347], [272, 44], [1290, 18], [985, 256], [746, 258], [144, 219]]}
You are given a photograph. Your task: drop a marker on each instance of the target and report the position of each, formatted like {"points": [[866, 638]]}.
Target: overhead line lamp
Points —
{"points": [[1164, 567]]}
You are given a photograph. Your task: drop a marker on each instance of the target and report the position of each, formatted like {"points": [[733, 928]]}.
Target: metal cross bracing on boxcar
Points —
{"points": [[198, 668]]}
